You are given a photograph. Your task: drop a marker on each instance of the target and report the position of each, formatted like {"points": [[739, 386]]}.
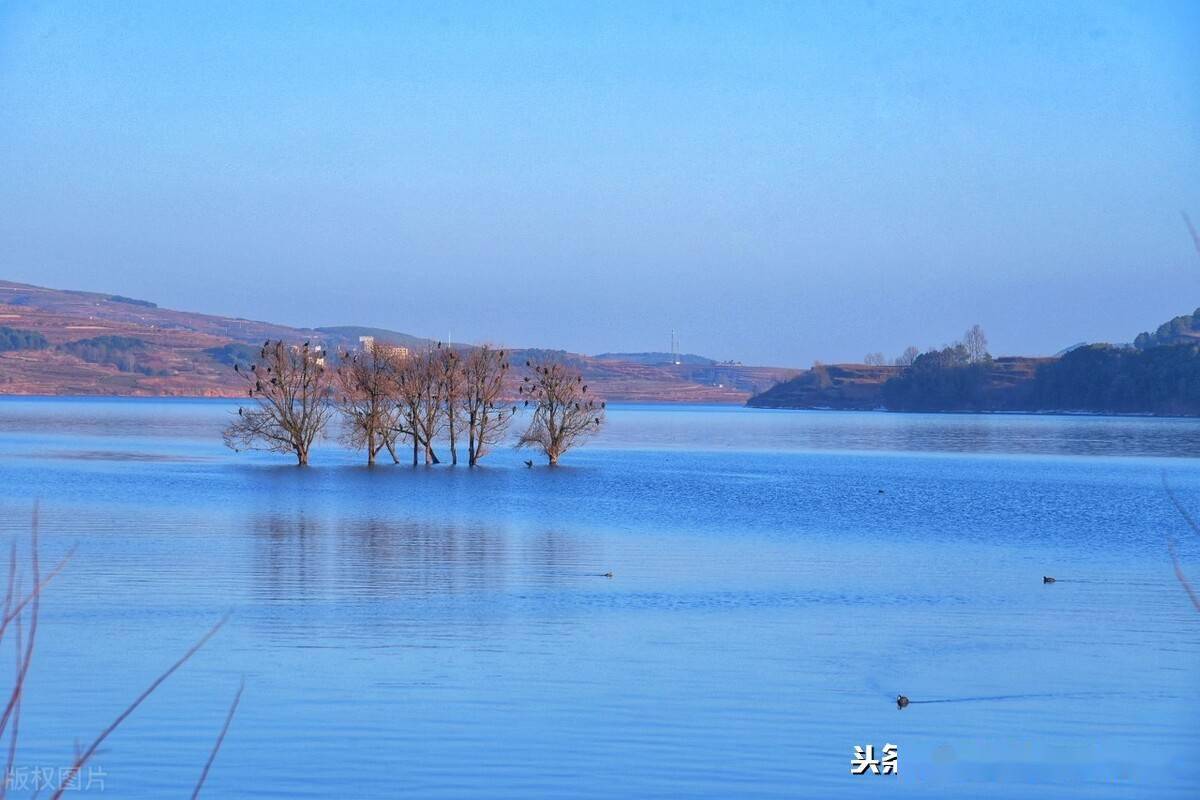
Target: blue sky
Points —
{"points": [[776, 182]]}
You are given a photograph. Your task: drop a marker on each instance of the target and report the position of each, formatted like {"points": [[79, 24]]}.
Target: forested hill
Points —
{"points": [[928, 385], [1160, 374], [1184, 329], [58, 342]]}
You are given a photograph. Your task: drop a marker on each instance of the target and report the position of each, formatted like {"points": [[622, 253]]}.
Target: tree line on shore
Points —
{"points": [[1099, 378], [973, 346], [389, 399], [1158, 374]]}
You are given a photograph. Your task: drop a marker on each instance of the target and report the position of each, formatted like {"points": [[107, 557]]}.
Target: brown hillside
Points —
{"points": [[172, 354]]}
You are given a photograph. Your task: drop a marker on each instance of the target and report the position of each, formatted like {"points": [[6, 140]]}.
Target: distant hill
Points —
{"points": [[1066, 350], [1158, 374], [61, 342], [657, 358], [1184, 329], [352, 332], [857, 387], [848, 387]]}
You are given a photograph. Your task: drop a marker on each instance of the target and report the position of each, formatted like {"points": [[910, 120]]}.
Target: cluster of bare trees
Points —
{"points": [[974, 342], [390, 398]]}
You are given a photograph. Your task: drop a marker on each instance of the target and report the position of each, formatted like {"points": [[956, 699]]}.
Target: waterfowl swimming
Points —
{"points": [[1047, 579], [901, 701], [606, 575]]}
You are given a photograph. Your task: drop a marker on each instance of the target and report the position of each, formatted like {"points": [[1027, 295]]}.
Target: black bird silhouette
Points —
{"points": [[1047, 579], [529, 464], [901, 701]]}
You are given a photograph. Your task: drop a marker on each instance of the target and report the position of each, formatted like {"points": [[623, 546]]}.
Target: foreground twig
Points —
{"points": [[90, 751], [220, 738], [1179, 574], [11, 614], [1187, 586], [16, 720], [14, 697]]}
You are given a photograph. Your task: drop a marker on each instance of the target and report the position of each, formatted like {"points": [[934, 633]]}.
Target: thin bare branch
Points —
{"points": [[237, 698], [1187, 517], [1179, 574], [91, 749]]}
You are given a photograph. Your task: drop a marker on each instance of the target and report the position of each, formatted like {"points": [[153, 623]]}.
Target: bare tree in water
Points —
{"points": [[366, 382], [290, 385], [564, 415], [484, 371], [447, 367], [419, 398]]}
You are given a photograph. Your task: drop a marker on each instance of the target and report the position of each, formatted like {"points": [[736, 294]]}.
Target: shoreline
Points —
{"points": [[659, 403]]}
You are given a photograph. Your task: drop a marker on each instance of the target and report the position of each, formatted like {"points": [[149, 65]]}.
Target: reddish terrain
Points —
{"points": [[174, 358]]}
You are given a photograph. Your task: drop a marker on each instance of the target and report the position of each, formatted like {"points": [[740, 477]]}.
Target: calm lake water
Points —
{"points": [[778, 578]]}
